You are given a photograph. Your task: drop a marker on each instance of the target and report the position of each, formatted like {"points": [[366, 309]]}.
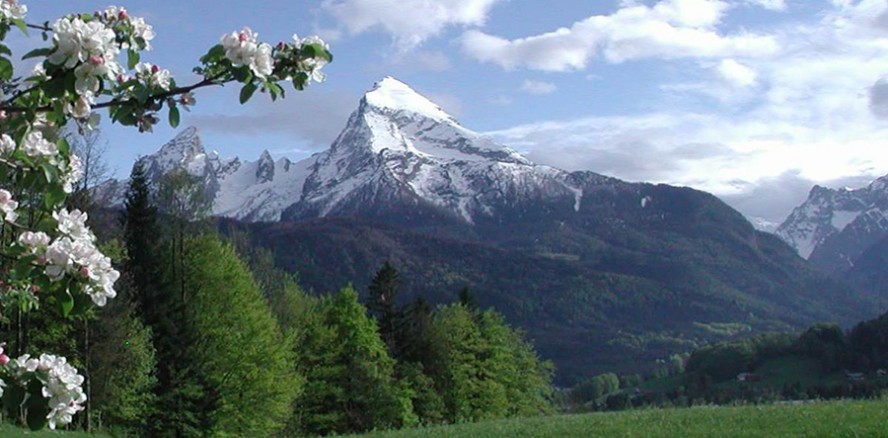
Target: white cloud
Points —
{"points": [[538, 87], [817, 113], [671, 29], [736, 74], [773, 5], [409, 22]]}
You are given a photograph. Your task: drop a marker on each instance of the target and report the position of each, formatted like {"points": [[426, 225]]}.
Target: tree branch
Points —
{"points": [[112, 103]]}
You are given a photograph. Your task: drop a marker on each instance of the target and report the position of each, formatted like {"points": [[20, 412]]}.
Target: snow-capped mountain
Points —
{"points": [[251, 190], [400, 148], [834, 226]]}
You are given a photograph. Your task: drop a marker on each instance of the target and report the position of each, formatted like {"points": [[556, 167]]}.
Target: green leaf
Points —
{"points": [[5, 50], [215, 52], [55, 87], [54, 196], [21, 25], [132, 58], [67, 304], [247, 92], [82, 304], [44, 51], [174, 116], [5, 69], [63, 146]]}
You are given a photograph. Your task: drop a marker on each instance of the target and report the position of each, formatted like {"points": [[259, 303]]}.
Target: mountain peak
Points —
{"points": [[394, 95]]}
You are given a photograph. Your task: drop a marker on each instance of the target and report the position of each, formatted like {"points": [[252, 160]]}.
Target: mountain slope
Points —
{"points": [[605, 275], [401, 150], [615, 288], [833, 227]]}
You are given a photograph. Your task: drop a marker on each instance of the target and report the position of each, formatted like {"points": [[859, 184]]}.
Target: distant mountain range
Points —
{"points": [[833, 227], [602, 274]]}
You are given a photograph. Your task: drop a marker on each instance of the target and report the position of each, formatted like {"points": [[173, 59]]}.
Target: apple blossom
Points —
{"points": [[12, 10], [76, 41], [242, 48], [8, 206], [7, 145], [35, 241], [34, 145], [154, 76]]}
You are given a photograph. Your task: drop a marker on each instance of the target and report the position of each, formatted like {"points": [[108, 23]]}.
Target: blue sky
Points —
{"points": [[753, 100]]}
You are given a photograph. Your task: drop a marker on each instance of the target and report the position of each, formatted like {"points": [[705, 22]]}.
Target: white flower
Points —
{"points": [[8, 206], [36, 241], [7, 145], [82, 106], [242, 48], [154, 76], [314, 65], [263, 63], [58, 258], [72, 173], [78, 42], [89, 73], [73, 224], [62, 386], [314, 39], [142, 30], [35, 145], [12, 10], [24, 363]]}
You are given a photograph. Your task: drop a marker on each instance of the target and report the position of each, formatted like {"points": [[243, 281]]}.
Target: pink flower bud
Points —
{"points": [[4, 359], [155, 69], [242, 37], [281, 45], [122, 15], [2, 115], [35, 288], [84, 272], [96, 60]]}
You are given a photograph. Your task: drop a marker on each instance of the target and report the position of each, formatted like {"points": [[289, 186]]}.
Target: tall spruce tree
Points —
{"points": [[142, 238], [383, 291]]}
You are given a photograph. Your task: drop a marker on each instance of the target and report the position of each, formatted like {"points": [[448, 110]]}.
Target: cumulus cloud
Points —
{"points": [[670, 29], [779, 124], [538, 87], [409, 22], [736, 73]]}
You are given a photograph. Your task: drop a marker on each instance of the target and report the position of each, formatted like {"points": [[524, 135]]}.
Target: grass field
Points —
{"points": [[827, 419]]}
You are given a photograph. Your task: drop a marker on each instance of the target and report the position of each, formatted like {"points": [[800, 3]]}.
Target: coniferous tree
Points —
{"points": [[142, 236], [350, 384], [467, 299], [383, 291]]}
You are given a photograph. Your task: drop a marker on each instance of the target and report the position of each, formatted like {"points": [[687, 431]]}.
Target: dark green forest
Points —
{"points": [[207, 337]]}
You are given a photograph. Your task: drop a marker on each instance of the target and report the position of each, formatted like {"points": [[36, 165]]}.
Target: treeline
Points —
{"points": [[852, 364], [208, 338]]}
